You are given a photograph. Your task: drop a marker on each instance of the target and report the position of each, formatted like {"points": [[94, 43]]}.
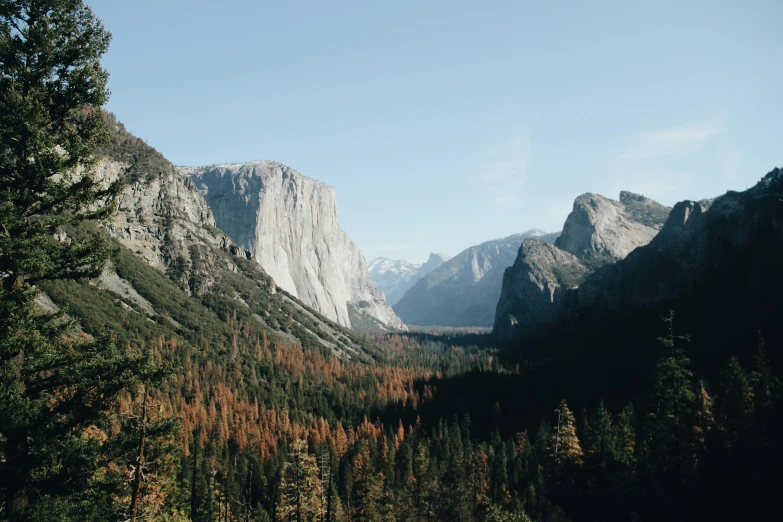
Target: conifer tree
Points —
{"points": [[601, 440], [625, 438], [735, 406], [565, 444], [671, 445], [55, 385], [300, 486]]}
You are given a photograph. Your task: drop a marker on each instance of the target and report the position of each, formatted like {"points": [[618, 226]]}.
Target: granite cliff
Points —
{"points": [[288, 224]]}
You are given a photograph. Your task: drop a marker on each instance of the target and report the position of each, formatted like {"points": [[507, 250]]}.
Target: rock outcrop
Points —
{"points": [[394, 277], [534, 287], [598, 231], [737, 237], [161, 217], [465, 290], [600, 228], [288, 224]]}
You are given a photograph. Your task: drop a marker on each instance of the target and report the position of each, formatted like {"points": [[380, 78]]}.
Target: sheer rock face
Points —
{"points": [[599, 227], [464, 291], [394, 277], [599, 231], [288, 223]]}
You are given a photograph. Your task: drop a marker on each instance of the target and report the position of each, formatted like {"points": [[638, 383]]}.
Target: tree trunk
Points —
{"points": [[140, 459], [193, 479], [329, 498], [249, 493]]}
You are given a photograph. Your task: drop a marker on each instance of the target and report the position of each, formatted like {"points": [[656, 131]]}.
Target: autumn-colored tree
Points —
{"points": [[566, 449], [479, 477]]}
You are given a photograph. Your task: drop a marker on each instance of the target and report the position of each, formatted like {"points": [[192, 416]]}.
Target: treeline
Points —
{"points": [[696, 444]]}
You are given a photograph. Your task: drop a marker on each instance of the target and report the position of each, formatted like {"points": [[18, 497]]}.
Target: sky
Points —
{"points": [[443, 124]]}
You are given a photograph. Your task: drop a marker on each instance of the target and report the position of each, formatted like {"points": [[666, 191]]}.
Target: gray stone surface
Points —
{"points": [[601, 227], [288, 223]]}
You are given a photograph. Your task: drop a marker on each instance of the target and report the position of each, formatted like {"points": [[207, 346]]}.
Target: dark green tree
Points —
{"points": [[56, 384], [671, 445]]}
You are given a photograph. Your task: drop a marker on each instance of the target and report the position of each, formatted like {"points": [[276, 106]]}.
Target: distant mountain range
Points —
{"points": [[394, 277], [464, 290]]}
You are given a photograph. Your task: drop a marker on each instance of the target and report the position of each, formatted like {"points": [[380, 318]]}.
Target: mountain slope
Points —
{"points": [[465, 290], [597, 232], [288, 223], [736, 236], [394, 277], [174, 268]]}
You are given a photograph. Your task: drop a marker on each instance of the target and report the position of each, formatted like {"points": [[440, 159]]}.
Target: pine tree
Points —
{"points": [[735, 405], [601, 439], [625, 438], [300, 486], [55, 385], [567, 450], [671, 445]]}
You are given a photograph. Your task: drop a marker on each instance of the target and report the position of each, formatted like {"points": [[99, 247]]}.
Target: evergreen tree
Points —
{"points": [[735, 405], [625, 438], [300, 486], [55, 385], [671, 443], [601, 440]]}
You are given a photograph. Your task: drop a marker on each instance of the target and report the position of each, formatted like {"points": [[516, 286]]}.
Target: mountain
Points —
{"points": [[598, 231], [464, 290], [735, 239], [174, 274], [394, 277], [288, 223]]}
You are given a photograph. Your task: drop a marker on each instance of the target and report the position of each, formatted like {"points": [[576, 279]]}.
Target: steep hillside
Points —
{"points": [[174, 268], [736, 237], [464, 291], [288, 223]]}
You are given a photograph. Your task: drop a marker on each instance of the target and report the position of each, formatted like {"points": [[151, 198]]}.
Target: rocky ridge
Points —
{"points": [[288, 224], [598, 231], [736, 238]]}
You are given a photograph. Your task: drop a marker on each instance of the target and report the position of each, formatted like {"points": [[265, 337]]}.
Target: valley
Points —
{"points": [[208, 343]]}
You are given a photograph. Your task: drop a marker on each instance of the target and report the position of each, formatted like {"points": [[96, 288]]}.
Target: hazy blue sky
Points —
{"points": [[445, 124]]}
